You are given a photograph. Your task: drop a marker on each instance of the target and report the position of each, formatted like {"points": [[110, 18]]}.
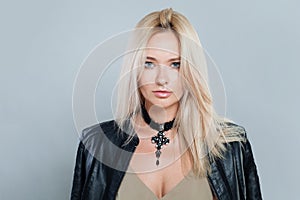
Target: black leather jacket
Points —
{"points": [[100, 166]]}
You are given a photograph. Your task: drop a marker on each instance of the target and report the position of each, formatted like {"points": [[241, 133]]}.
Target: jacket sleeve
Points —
{"points": [[253, 190], [79, 174]]}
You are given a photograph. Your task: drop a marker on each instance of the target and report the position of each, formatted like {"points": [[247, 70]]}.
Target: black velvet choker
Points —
{"points": [[159, 140]]}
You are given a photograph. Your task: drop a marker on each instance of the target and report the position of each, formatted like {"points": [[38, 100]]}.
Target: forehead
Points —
{"points": [[163, 43]]}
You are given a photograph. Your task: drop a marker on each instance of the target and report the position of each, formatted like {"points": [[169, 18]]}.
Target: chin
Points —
{"points": [[164, 104]]}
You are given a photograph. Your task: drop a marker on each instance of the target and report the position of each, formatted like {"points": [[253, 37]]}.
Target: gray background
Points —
{"points": [[43, 43]]}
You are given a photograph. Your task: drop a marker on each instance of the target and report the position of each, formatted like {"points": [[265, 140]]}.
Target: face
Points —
{"points": [[160, 83]]}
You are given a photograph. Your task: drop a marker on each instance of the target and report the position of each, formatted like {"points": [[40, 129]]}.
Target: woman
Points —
{"points": [[166, 141]]}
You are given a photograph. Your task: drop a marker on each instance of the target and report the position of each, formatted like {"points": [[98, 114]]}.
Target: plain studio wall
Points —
{"points": [[43, 44]]}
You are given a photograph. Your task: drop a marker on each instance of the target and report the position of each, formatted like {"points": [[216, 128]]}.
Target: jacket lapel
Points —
{"points": [[218, 182]]}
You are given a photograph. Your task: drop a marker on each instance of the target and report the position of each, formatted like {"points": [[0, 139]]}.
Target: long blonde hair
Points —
{"points": [[201, 131]]}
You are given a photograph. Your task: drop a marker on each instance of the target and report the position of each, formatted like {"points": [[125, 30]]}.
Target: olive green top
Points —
{"points": [[191, 188]]}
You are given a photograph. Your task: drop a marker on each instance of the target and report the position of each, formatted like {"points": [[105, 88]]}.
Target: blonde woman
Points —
{"points": [[166, 141]]}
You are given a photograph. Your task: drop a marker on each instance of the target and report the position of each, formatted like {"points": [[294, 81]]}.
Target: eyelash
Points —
{"points": [[175, 64], [148, 63], [151, 65]]}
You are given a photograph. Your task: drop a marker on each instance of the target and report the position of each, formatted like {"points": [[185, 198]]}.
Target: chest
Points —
{"points": [[190, 187], [162, 178], [163, 181]]}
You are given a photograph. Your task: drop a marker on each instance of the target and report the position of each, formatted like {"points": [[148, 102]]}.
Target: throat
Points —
{"points": [[159, 114], [160, 127]]}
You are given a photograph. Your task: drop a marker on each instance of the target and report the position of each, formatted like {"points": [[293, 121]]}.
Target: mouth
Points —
{"points": [[162, 93]]}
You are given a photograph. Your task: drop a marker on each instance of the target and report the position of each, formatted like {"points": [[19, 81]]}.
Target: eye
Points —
{"points": [[149, 65], [175, 65]]}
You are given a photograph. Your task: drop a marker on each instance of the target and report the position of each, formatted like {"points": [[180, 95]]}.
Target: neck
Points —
{"points": [[161, 115]]}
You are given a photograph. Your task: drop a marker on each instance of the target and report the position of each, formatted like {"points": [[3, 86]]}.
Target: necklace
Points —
{"points": [[160, 139]]}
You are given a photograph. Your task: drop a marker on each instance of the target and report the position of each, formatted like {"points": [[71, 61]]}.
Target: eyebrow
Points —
{"points": [[170, 60]]}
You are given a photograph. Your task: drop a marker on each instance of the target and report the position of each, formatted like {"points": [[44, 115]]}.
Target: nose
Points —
{"points": [[162, 75]]}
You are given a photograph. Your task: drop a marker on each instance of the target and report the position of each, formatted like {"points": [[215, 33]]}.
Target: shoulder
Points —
{"points": [[104, 134], [233, 132], [103, 143], [236, 141], [102, 127], [106, 128], [100, 136]]}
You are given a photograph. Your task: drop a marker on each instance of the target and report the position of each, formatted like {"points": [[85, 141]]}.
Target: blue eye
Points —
{"points": [[175, 65], [149, 65]]}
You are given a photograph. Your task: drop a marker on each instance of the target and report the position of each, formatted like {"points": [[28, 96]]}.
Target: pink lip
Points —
{"points": [[162, 93]]}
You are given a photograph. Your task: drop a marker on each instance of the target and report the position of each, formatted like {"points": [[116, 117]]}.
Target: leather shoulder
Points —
{"points": [[98, 128]]}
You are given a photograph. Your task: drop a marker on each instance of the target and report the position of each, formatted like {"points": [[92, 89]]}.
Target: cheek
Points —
{"points": [[179, 90], [146, 78], [178, 87], [143, 84], [144, 90]]}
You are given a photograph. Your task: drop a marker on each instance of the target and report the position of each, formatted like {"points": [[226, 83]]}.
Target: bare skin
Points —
{"points": [[161, 74], [163, 178]]}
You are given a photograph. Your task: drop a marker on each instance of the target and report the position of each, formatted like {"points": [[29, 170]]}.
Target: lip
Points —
{"points": [[162, 93]]}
